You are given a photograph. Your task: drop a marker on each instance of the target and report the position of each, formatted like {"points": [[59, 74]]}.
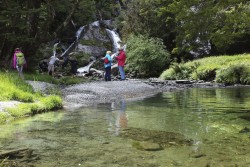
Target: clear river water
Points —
{"points": [[186, 128]]}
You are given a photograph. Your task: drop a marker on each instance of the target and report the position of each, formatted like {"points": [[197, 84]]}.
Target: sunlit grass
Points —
{"points": [[224, 69], [12, 88]]}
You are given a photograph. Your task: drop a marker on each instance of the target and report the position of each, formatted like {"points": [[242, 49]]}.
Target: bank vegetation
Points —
{"points": [[12, 88], [222, 69]]}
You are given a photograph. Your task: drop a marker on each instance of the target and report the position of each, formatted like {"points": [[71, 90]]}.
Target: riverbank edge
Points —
{"points": [[92, 93]]}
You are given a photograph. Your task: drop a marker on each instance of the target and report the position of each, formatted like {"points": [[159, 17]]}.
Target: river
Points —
{"points": [[187, 128]]}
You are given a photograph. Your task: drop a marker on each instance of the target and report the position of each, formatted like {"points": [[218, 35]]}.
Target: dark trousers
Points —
{"points": [[108, 73]]}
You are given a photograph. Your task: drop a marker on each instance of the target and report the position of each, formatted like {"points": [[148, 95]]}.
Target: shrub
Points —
{"points": [[239, 74], [146, 56], [168, 74], [177, 71]]}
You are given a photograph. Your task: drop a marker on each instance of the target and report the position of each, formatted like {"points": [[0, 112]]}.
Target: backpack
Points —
{"points": [[20, 59], [106, 60]]}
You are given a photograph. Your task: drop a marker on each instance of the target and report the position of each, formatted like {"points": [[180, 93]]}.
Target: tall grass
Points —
{"points": [[14, 88], [224, 69]]}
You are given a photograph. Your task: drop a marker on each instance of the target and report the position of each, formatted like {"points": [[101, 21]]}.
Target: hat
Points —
{"points": [[108, 52], [17, 49]]}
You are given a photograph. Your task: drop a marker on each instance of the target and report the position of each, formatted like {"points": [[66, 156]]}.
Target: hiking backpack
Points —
{"points": [[20, 59], [106, 60]]}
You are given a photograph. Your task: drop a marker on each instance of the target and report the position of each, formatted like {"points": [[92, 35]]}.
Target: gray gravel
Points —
{"points": [[87, 94], [43, 87], [7, 104], [105, 92]]}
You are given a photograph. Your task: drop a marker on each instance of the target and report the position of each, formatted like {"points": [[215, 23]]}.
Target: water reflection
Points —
{"points": [[92, 137], [118, 119]]}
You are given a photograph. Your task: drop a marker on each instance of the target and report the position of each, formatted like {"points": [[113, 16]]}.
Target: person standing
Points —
{"points": [[51, 65], [107, 65], [121, 58], [73, 63], [19, 61]]}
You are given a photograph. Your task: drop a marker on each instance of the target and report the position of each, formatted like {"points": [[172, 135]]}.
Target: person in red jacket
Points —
{"points": [[121, 58]]}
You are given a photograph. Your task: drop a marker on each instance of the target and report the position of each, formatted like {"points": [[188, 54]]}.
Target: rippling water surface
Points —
{"points": [[216, 121]]}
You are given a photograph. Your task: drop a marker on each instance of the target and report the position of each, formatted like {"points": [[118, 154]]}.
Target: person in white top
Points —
{"points": [[51, 65]]}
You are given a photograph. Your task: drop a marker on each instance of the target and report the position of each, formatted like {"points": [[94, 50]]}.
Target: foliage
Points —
{"points": [[189, 29], [146, 56], [239, 73], [14, 88], [222, 23], [146, 17], [30, 24], [228, 69]]}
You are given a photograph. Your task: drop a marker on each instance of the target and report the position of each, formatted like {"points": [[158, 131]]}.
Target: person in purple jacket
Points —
{"points": [[19, 62]]}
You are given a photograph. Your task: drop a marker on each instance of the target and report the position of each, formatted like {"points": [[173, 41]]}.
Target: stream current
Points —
{"points": [[214, 122]]}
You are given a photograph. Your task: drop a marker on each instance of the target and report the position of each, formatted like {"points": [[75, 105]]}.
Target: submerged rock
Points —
{"points": [[162, 138], [147, 146]]}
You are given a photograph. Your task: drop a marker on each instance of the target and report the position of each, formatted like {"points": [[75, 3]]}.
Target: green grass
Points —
{"points": [[65, 80], [14, 88], [41, 77], [224, 69]]}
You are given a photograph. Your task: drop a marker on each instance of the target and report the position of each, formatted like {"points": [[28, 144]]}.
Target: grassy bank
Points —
{"points": [[222, 69], [12, 88], [66, 80]]}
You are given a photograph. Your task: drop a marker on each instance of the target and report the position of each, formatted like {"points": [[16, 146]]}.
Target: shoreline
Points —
{"points": [[92, 93]]}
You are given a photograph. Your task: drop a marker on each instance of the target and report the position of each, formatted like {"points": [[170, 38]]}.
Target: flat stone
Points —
{"points": [[148, 146]]}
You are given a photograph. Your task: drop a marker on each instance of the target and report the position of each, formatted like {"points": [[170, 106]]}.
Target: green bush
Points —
{"points": [[168, 74], [178, 71], [207, 75], [239, 74], [146, 56]]}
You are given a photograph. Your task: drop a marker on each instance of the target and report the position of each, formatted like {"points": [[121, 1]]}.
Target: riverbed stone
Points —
{"points": [[162, 138], [149, 146]]}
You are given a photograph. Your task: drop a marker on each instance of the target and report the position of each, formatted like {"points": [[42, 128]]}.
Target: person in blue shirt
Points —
{"points": [[107, 65]]}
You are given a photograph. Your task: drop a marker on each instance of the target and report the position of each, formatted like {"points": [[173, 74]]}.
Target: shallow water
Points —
{"points": [[92, 137]]}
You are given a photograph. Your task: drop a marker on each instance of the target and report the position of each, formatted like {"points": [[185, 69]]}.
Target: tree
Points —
{"points": [[146, 56], [29, 24], [220, 23]]}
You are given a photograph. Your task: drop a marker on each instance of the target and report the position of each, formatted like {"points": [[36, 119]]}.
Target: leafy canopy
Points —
{"points": [[147, 56]]}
